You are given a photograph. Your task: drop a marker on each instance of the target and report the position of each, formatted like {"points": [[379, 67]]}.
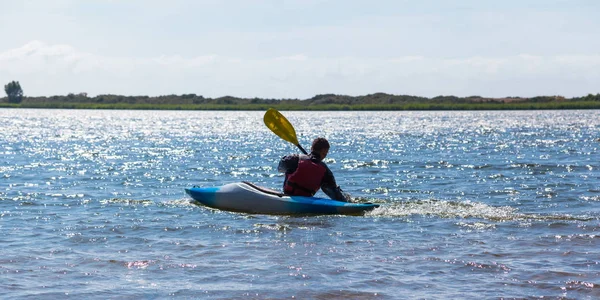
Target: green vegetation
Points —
{"points": [[378, 101], [14, 92]]}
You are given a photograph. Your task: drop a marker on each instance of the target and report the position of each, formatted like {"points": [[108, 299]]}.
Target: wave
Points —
{"points": [[465, 210], [127, 201], [430, 207]]}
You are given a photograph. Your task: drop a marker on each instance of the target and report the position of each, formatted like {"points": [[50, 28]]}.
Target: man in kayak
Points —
{"points": [[305, 174]]}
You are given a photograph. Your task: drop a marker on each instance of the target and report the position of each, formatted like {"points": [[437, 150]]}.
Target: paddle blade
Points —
{"points": [[280, 126]]}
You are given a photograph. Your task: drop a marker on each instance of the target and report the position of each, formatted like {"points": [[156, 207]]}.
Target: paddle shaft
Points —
{"points": [[302, 149]]}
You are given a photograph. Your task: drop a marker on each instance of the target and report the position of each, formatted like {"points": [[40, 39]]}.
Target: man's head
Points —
{"points": [[321, 146]]}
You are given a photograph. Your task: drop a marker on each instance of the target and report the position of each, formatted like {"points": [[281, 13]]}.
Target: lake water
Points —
{"points": [[474, 205]]}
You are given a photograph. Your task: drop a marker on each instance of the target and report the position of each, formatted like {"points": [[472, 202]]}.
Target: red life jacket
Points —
{"points": [[306, 180]]}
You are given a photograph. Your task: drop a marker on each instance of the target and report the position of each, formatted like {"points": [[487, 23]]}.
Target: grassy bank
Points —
{"points": [[377, 101], [333, 107]]}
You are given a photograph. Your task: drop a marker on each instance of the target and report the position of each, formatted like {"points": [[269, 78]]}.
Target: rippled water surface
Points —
{"points": [[502, 204]]}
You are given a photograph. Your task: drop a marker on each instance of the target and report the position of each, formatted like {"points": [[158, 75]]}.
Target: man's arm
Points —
{"points": [[330, 188]]}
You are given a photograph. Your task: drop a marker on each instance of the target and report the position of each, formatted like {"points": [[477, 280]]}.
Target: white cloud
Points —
{"points": [[49, 69]]}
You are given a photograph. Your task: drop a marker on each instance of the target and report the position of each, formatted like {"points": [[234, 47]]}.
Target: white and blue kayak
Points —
{"points": [[249, 198]]}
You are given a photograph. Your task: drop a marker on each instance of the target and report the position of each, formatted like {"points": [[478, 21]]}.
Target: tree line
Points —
{"points": [[376, 101]]}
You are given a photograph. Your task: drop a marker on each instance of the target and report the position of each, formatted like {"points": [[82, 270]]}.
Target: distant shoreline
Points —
{"points": [[332, 102], [408, 107]]}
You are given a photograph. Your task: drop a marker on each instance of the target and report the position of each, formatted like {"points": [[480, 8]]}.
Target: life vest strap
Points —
{"points": [[295, 186]]}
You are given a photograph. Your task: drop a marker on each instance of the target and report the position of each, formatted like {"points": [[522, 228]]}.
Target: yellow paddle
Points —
{"points": [[282, 127]]}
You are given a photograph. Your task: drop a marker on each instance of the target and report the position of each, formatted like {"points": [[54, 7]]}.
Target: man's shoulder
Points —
{"points": [[290, 157]]}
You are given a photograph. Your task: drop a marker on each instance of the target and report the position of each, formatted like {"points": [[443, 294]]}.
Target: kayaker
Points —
{"points": [[305, 174]]}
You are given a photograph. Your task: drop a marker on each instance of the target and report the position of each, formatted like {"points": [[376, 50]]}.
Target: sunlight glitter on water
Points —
{"points": [[470, 203]]}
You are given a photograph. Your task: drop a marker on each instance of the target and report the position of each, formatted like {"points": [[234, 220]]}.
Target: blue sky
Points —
{"points": [[298, 49]]}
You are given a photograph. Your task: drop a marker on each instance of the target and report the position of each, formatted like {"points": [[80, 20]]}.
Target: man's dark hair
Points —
{"points": [[319, 144]]}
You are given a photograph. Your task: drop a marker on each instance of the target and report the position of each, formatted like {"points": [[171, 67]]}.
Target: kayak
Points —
{"points": [[248, 198]]}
